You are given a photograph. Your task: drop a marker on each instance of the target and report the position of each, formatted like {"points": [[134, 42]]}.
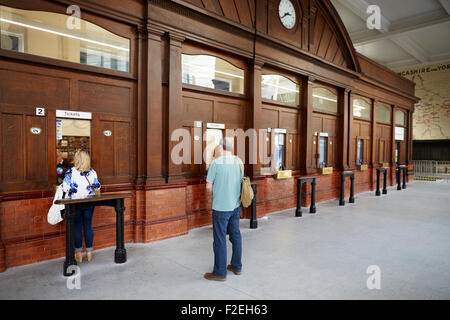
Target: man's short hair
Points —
{"points": [[228, 144]]}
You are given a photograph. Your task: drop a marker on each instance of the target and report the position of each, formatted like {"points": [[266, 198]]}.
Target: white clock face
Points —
{"points": [[286, 10]]}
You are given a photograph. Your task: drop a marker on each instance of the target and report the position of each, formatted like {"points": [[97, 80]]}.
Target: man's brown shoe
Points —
{"points": [[236, 272], [212, 276]]}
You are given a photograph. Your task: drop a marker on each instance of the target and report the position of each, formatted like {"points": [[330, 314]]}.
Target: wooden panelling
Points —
{"points": [[12, 147], [36, 149], [30, 89], [198, 109], [230, 113], [269, 118], [97, 97]]}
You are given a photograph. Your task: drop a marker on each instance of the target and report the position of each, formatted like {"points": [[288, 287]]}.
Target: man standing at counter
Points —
{"points": [[224, 179]]}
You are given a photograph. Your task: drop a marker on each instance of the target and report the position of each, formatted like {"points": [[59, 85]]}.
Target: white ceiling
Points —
{"points": [[413, 32]]}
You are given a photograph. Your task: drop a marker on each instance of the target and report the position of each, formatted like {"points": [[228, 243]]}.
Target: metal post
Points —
{"points": [[298, 212], [404, 178], [378, 193], [397, 174], [253, 220], [120, 254], [70, 240], [312, 209], [341, 200], [352, 189], [385, 181]]}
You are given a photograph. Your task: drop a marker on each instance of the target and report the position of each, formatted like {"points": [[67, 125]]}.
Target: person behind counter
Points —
{"points": [[79, 182], [62, 165]]}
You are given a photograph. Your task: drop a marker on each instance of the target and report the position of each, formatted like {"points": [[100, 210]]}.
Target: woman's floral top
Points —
{"points": [[76, 186]]}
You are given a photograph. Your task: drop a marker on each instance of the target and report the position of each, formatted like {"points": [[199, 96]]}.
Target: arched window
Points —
{"points": [[362, 109], [400, 118], [325, 100], [383, 113], [279, 88], [212, 72], [53, 35]]}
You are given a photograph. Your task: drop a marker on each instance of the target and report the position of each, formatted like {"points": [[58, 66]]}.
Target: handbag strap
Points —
{"points": [[88, 182]]}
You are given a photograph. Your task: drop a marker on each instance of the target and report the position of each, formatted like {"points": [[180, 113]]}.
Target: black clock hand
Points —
{"points": [[286, 14]]}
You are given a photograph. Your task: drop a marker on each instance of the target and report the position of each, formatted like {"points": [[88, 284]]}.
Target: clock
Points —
{"points": [[286, 12]]}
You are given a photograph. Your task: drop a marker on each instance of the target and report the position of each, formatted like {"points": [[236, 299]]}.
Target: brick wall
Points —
{"points": [[153, 214]]}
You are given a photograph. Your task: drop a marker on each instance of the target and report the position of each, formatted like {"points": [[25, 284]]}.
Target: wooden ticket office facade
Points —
{"points": [[138, 98]]}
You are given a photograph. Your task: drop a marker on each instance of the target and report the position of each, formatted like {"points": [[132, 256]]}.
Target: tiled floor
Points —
{"points": [[323, 256]]}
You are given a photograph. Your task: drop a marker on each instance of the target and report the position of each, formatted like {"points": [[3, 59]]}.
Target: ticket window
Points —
{"points": [[397, 152], [213, 138], [279, 150], [71, 135], [323, 144], [360, 152]]}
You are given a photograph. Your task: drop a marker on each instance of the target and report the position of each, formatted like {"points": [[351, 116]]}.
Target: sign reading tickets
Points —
{"points": [[73, 114], [399, 133]]}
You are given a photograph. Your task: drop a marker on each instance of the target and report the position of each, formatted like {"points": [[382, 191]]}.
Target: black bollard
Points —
{"points": [[312, 209], [397, 174], [341, 200], [352, 189], [253, 220], [70, 240], [120, 254], [378, 193], [385, 181], [404, 177], [298, 212]]}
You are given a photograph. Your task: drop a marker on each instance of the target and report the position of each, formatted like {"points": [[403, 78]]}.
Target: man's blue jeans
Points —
{"points": [[226, 222], [83, 222]]}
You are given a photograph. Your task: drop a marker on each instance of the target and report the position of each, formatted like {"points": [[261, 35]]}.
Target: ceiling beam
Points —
{"points": [[410, 46], [446, 5], [359, 7], [404, 29]]}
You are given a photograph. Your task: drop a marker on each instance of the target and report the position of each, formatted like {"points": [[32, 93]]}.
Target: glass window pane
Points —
{"points": [[383, 114], [400, 118], [360, 151], [278, 155], [323, 152], [50, 35], [212, 72], [361, 108], [279, 88], [324, 99]]}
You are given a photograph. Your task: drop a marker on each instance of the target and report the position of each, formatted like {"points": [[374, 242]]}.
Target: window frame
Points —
{"points": [[267, 72], [369, 101], [333, 91], [404, 125], [189, 48], [120, 29], [389, 107]]}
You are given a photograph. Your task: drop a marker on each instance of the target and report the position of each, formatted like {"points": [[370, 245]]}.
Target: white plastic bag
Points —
{"points": [[54, 214]]}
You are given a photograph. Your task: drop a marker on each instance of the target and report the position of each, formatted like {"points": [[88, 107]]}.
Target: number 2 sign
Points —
{"points": [[40, 112]]}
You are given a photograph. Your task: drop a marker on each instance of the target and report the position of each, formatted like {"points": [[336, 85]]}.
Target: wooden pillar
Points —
{"points": [[141, 122], [175, 102], [374, 134], [410, 138], [307, 161], [343, 107], [393, 135], [350, 163], [2, 246], [155, 109], [255, 109]]}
